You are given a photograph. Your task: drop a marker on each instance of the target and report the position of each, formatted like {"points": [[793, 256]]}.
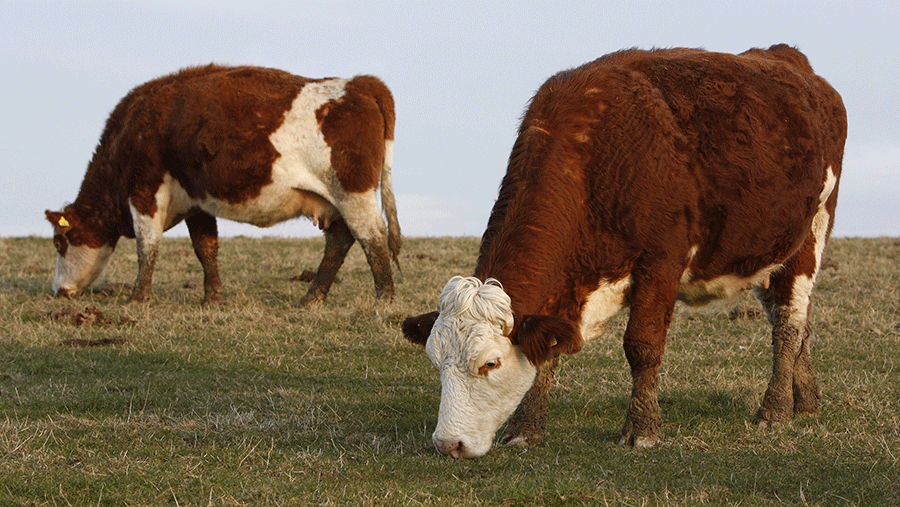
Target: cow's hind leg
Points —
{"points": [[205, 238], [529, 422], [338, 241], [361, 213], [793, 386], [378, 257]]}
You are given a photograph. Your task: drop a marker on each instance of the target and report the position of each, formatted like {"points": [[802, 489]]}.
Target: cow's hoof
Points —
{"points": [[523, 439], [768, 417], [640, 442], [311, 299], [641, 436], [136, 300], [385, 297], [211, 300], [806, 402]]}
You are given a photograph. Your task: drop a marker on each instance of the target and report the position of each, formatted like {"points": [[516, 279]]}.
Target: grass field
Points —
{"points": [[257, 402]]}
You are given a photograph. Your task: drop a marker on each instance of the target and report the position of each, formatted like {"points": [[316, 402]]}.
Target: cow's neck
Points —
{"points": [[532, 234], [530, 256], [102, 203]]}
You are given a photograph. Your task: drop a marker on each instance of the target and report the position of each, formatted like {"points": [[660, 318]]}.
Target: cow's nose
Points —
{"points": [[452, 448], [64, 293]]}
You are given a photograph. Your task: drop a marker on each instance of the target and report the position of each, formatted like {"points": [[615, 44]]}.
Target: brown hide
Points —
{"points": [[632, 159]]}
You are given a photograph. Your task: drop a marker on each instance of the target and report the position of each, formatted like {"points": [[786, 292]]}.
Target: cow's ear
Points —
{"points": [[60, 224], [541, 337], [418, 329]]}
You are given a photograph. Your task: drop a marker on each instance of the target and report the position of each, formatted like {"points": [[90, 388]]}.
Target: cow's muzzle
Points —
{"points": [[453, 448]]}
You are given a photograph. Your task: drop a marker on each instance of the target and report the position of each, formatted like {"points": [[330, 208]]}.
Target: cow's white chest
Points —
{"points": [[602, 305]]}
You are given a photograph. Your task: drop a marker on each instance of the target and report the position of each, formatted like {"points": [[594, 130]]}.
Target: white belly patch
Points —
{"points": [[700, 292]]}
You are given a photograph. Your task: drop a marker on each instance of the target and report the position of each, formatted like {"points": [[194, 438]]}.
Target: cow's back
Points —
{"points": [[218, 132], [178, 124], [681, 152], [214, 129]]}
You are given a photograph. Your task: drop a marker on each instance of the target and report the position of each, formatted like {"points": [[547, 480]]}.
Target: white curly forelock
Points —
{"points": [[472, 298]]}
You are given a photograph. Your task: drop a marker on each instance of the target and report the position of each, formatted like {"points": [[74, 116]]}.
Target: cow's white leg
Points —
{"points": [[148, 233], [205, 239], [793, 385], [338, 241], [363, 218]]}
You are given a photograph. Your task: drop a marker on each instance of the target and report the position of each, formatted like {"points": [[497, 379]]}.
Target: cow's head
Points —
{"points": [[487, 358], [82, 256]]}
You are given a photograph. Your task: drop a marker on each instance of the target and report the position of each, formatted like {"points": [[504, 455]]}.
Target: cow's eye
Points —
{"points": [[493, 364]]}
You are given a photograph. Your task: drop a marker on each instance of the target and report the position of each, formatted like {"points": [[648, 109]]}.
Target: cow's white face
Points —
{"points": [[78, 268], [483, 375]]}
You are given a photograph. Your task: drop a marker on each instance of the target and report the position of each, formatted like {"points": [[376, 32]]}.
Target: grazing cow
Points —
{"points": [[639, 179], [249, 144]]}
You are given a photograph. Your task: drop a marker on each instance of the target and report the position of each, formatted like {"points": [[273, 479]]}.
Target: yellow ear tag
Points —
{"points": [[63, 222], [554, 343]]}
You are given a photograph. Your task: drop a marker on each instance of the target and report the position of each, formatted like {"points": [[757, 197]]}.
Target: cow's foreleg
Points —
{"points": [[529, 422], [148, 233], [205, 238], [652, 304], [793, 386], [338, 241]]}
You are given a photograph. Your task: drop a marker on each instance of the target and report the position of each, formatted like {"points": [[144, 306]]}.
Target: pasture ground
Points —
{"points": [[257, 402]]}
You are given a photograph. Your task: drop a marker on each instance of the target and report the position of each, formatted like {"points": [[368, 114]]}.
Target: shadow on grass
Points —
{"points": [[117, 385], [681, 409]]}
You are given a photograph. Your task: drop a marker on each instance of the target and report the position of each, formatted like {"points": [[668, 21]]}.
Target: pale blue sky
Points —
{"points": [[461, 73]]}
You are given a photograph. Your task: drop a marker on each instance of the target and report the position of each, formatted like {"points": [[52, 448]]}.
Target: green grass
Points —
{"points": [[257, 402]]}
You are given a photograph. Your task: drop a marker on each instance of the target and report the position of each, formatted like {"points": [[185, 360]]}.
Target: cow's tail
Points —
{"points": [[385, 101], [388, 204]]}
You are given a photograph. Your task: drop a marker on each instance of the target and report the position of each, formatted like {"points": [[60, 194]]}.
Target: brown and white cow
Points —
{"points": [[249, 144], [640, 179]]}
